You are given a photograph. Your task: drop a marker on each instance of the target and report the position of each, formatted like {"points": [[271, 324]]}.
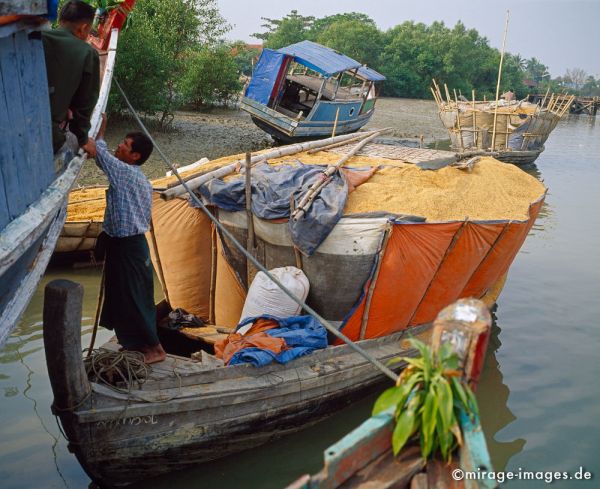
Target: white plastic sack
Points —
{"points": [[265, 297]]}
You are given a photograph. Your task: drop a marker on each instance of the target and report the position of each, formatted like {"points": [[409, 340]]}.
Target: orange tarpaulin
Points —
{"points": [[255, 336], [427, 266]]}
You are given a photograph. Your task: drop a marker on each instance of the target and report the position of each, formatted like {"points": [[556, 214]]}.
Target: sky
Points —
{"points": [[562, 34]]}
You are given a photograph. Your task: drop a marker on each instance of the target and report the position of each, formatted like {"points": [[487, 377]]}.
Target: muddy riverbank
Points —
{"points": [[220, 132]]}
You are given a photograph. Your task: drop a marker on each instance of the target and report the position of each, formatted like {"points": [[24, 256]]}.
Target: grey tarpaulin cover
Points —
{"points": [[272, 190]]}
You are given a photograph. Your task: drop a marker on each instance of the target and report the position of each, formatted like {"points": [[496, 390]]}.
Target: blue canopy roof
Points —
{"points": [[327, 61]]}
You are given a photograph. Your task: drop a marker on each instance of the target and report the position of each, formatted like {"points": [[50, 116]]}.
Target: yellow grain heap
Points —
{"points": [[86, 204], [492, 191]]}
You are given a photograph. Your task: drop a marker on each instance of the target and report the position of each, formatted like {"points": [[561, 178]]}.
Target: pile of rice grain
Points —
{"points": [[492, 191], [86, 204]]}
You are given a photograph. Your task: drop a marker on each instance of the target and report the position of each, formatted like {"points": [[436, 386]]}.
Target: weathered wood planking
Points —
{"points": [[4, 214], [25, 140]]}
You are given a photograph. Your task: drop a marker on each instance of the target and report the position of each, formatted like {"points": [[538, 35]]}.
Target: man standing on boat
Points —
{"points": [[73, 70], [129, 289]]}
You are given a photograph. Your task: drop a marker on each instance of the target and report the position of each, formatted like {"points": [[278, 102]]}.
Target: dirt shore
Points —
{"points": [[220, 132]]}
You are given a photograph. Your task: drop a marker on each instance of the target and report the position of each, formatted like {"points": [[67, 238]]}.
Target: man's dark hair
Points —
{"points": [[140, 143], [75, 11]]}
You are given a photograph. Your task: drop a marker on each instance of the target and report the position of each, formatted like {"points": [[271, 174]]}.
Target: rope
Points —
{"points": [[385, 370], [115, 368]]}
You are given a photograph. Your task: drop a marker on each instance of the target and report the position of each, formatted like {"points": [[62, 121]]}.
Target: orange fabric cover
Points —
{"points": [[183, 241], [472, 244], [255, 336], [414, 253], [427, 266], [9, 19], [501, 256], [229, 294]]}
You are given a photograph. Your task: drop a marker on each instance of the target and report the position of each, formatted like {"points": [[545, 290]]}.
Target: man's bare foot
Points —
{"points": [[154, 354]]}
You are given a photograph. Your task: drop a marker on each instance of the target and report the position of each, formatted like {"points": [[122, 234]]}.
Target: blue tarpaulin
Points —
{"points": [[264, 76], [302, 334], [326, 61], [272, 189]]}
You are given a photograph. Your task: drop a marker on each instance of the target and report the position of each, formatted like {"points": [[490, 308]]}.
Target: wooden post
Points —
{"points": [[499, 79], [251, 243], [62, 342], [337, 115]]}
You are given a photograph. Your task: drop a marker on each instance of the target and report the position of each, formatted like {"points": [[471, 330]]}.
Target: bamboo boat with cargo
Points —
{"points": [[34, 183], [400, 243], [509, 130], [83, 224]]}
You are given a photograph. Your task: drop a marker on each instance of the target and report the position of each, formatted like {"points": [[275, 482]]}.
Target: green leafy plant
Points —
{"points": [[427, 399]]}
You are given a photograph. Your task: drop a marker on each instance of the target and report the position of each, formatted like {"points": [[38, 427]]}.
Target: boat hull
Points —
{"points": [[216, 412], [289, 130]]}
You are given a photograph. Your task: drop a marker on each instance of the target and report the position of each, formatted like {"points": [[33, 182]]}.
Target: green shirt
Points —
{"points": [[73, 69]]}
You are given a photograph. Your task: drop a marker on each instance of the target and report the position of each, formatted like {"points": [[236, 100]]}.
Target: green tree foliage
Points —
{"points": [[245, 57], [536, 70], [155, 50], [354, 38], [291, 29], [410, 54], [414, 53], [212, 76]]}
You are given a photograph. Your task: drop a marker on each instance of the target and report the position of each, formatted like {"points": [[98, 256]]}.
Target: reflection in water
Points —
{"points": [[493, 395]]}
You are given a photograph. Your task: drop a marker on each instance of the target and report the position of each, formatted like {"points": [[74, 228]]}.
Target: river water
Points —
{"points": [[539, 395]]}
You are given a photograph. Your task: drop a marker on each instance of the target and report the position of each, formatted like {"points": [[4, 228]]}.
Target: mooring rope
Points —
{"points": [[332, 329], [115, 368]]}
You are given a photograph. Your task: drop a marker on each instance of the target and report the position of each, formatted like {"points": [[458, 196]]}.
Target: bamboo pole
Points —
{"points": [[357, 137], [213, 276], [460, 140], [544, 99], [373, 284], [499, 79], [337, 115], [315, 189], [476, 135], [251, 242], [447, 94], [228, 169], [160, 272]]}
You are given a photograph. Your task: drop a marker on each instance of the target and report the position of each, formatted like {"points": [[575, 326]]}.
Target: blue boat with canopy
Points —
{"points": [[307, 91]]}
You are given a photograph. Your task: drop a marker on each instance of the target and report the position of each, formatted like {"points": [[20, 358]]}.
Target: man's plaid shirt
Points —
{"points": [[129, 198]]}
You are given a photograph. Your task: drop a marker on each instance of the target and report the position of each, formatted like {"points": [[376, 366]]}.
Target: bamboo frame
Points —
{"points": [[373, 284]]}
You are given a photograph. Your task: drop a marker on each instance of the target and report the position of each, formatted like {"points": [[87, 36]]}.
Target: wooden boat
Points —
{"points": [[306, 90], [364, 458], [513, 131], [33, 185], [83, 224], [378, 278]]}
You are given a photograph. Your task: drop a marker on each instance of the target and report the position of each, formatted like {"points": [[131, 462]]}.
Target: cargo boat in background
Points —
{"points": [[33, 183], [513, 131], [308, 91]]}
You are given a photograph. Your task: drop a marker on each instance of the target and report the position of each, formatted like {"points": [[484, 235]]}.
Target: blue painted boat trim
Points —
{"points": [[373, 438]]}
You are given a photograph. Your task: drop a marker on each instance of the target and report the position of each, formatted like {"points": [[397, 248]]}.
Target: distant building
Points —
{"points": [[530, 83]]}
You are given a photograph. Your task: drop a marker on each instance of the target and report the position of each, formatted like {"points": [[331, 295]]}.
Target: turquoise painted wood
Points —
{"points": [[373, 438], [326, 111]]}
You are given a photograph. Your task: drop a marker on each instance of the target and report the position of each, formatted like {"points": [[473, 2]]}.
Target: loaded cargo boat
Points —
{"points": [[306, 91], [384, 246], [34, 183], [513, 131]]}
